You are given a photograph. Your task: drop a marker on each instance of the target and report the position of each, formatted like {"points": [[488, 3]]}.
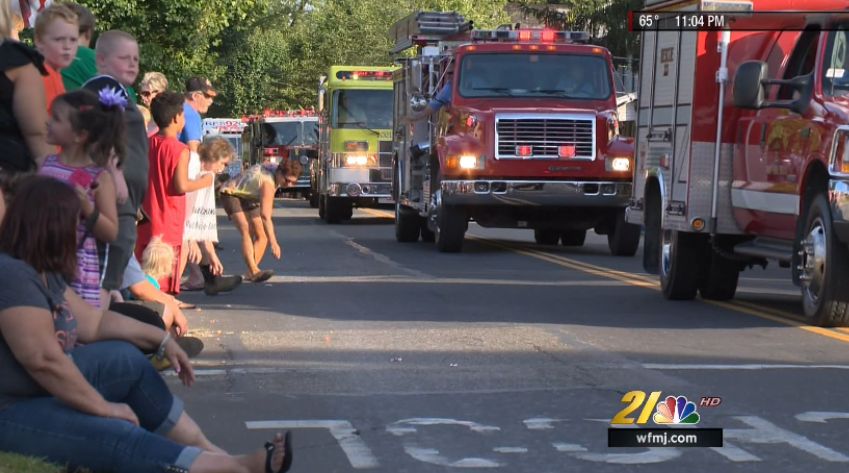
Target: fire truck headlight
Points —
{"points": [[468, 161], [356, 160], [618, 164]]}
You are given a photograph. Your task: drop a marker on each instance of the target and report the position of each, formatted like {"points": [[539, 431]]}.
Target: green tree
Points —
{"points": [[603, 19]]}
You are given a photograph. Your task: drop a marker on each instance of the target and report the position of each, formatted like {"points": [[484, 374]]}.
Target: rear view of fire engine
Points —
{"points": [[527, 138], [743, 150]]}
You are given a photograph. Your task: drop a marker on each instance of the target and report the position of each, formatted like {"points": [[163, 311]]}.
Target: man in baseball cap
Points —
{"points": [[200, 84]]}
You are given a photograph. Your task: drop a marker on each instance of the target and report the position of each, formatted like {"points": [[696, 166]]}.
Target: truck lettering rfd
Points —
{"points": [[743, 151], [528, 136]]}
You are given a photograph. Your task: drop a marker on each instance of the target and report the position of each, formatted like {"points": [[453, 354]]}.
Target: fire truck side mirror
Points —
{"points": [[418, 103], [749, 85]]}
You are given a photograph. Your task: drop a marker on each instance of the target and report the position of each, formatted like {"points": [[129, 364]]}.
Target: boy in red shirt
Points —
{"points": [[168, 181]]}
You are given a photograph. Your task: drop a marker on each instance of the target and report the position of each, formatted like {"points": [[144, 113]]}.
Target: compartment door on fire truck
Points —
{"points": [[768, 169], [666, 104]]}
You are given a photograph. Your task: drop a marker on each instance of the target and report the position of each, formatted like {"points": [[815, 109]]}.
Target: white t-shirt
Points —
{"points": [[201, 222]]}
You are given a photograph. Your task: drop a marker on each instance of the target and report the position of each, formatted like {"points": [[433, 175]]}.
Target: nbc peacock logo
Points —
{"points": [[676, 410]]}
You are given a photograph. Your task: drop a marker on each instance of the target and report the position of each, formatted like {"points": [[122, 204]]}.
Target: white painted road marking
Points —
{"points": [[666, 366], [820, 416], [359, 454], [761, 432], [765, 432], [405, 427]]}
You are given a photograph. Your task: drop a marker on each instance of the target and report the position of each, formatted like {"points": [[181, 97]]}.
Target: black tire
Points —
{"points": [[322, 206], [407, 224], [451, 229], [825, 268], [651, 243], [681, 265], [546, 236], [720, 278], [428, 236], [313, 198], [623, 239], [573, 237], [337, 209]]}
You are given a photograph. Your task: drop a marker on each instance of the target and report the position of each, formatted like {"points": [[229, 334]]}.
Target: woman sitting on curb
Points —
{"points": [[100, 405]]}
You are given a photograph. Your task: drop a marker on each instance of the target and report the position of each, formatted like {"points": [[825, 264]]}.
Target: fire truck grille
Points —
{"points": [[543, 137]]}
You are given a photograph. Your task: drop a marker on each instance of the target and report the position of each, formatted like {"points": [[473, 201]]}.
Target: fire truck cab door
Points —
{"points": [[777, 141]]}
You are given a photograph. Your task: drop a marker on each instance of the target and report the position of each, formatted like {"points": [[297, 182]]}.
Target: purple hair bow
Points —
{"points": [[112, 97]]}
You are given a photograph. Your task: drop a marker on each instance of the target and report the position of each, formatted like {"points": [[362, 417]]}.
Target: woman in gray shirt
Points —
{"points": [[101, 405]]}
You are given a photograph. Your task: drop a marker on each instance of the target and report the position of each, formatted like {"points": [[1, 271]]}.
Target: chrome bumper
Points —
{"points": [[367, 190], [839, 201], [537, 193]]}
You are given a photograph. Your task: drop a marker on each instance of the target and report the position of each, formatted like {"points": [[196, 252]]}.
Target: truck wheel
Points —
{"points": [[337, 209], [313, 198], [824, 268], [322, 206], [546, 236], [720, 281], [623, 238], [428, 236], [451, 229], [407, 224], [680, 264], [573, 237]]}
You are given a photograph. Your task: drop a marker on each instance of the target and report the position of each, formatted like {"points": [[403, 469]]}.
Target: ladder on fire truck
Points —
{"points": [[427, 28]]}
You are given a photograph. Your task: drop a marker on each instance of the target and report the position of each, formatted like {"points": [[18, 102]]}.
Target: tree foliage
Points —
{"points": [[605, 20], [268, 53]]}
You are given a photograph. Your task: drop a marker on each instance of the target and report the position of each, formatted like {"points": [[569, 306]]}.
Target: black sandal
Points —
{"points": [[287, 452]]}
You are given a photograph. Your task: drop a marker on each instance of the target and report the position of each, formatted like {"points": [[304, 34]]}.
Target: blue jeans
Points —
{"points": [[44, 427]]}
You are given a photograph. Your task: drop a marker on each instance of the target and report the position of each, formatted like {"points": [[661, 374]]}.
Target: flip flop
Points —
{"points": [[186, 306], [287, 452], [191, 345], [187, 288], [261, 276]]}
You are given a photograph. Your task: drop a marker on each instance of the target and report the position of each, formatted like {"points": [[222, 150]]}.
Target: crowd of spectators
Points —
{"points": [[104, 203]]}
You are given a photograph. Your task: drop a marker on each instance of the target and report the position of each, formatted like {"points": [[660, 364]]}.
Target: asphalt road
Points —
{"points": [[391, 357]]}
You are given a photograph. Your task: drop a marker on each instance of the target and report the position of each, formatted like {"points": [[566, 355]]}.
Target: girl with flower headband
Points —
{"points": [[89, 129]]}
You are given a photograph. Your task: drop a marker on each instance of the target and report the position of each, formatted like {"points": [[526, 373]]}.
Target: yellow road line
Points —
{"points": [[774, 315], [377, 213]]}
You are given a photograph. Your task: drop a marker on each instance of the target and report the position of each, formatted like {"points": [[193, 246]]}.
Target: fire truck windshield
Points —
{"points": [[367, 109], [567, 76], [292, 133]]}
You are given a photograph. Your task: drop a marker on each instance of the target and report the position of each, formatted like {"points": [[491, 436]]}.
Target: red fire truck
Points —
{"points": [[528, 138], [279, 137], [743, 149]]}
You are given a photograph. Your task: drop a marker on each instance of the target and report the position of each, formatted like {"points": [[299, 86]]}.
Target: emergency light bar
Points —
{"points": [[364, 75], [544, 36]]}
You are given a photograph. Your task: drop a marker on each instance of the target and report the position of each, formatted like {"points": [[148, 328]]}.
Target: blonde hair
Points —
{"points": [[158, 258], [54, 12], [8, 20], [215, 149], [154, 80], [107, 41]]}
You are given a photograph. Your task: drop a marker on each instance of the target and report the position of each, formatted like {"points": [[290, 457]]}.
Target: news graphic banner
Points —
{"points": [[734, 20], [675, 416]]}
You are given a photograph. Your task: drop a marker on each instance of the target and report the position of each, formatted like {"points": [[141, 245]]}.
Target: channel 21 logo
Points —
{"points": [[672, 410]]}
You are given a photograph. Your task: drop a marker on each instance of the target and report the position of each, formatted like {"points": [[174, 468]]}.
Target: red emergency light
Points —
{"points": [[364, 75], [524, 150], [531, 35], [566, 151]]}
